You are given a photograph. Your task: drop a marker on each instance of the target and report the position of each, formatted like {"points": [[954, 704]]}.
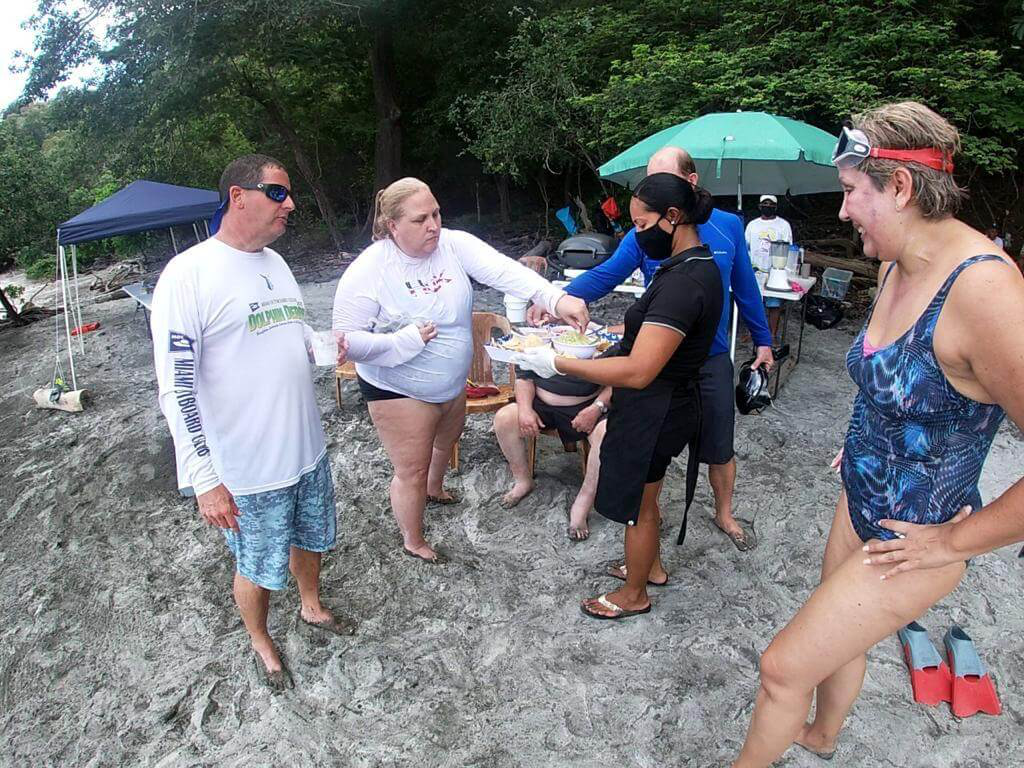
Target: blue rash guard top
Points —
{"points": [[723, 234]]}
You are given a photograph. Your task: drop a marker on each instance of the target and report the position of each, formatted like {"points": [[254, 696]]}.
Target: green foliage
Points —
{"points": [[529, 89], [14, 290], [43, 268]]}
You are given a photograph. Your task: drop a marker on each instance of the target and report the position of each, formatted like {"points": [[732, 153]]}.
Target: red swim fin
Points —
{"points": [[973, 689], [930, 678]]}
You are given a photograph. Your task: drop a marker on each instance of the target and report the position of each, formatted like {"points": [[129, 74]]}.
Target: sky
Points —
{"points": [[13, 13]]}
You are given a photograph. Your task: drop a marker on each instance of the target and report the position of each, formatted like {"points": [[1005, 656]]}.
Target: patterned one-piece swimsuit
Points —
{"points": [[915, 446]]}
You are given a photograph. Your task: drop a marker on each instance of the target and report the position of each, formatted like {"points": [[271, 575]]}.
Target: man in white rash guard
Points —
{"points": [[236, 389]]}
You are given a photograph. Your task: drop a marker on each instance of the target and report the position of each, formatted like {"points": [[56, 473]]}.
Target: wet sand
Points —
{"points": [[121, 644]]}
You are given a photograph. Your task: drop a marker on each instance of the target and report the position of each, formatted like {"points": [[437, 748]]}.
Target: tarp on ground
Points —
{"points": [[141, 206]]}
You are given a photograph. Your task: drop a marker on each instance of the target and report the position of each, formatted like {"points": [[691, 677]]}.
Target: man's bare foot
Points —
{"points": [[815, 742], [728, 525], [321, 618], [267, 652], [519, 491]]}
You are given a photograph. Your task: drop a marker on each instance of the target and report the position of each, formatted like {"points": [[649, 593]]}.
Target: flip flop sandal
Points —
{"points": [[454, 499], [437, 559], [277, 682], [620, 613], [619, 572], [334, 625]]}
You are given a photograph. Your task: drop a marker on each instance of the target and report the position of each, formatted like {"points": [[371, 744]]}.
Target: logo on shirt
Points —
{"points": [[271, 314], [435, 284], [179, 342], [270, 285]]}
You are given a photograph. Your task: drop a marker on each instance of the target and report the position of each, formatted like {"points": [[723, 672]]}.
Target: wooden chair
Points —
{"points": [[346, 371], [582, 447], [538, 264], [480, 373]]}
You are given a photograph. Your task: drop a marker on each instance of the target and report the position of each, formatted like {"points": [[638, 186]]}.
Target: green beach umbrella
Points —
{"points": [[733, 151]]}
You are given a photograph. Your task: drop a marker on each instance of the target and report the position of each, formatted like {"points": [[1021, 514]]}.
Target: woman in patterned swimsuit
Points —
{"points": [[938, 362]]}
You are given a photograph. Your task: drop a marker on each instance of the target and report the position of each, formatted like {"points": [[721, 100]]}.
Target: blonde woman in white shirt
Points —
{"points": [[406, 305]]}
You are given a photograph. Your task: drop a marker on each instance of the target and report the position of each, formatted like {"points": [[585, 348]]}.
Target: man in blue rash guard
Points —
{"points": [[723, 234]]}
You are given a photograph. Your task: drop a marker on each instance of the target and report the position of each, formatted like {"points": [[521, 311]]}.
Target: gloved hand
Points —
{"points": [[540, 360]]}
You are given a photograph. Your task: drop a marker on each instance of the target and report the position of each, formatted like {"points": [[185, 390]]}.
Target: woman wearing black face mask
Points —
{"points": [[656, 402]]}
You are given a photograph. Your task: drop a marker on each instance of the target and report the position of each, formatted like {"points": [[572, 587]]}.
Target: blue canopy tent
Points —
{"points": [[139, 207]]}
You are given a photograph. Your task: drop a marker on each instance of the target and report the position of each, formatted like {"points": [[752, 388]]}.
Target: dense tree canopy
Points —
{"points": [[527, 94]]}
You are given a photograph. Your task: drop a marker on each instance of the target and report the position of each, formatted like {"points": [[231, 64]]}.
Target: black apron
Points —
{"points": [[665, 416], [640, 421]]}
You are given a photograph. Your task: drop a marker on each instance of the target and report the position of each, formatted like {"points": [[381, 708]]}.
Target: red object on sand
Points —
{"points": [[931, 685], [87, 328], [611, 208], [474, 393]]}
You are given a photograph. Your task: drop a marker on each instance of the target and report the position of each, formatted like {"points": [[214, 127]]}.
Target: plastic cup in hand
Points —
{"points": [[325, 347]]}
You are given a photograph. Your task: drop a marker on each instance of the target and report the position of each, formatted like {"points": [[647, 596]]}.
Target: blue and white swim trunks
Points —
{"points": [[272, 522]]}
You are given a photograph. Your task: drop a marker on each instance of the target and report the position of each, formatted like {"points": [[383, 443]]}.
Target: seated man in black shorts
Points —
{"points": [[571, 406]]}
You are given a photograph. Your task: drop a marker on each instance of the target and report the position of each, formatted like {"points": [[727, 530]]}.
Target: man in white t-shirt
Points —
{"points": [[761, 232], [236, 389]]}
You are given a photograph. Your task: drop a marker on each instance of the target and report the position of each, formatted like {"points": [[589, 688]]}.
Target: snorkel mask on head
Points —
{"points": [[854, 147]]}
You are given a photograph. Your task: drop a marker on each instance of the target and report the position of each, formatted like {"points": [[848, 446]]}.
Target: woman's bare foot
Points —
{"points": [[423, 551], [578, 515], [815, 742], [519, 491]]}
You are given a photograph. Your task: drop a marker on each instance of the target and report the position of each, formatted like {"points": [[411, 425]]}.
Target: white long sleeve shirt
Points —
{"points": [[387, 289], [233, 373]]}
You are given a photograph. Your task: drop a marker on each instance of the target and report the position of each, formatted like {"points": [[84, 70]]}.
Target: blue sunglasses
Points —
{"points": [[276, 192]]}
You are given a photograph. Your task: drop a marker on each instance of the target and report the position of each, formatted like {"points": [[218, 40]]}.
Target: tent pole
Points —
{"points": [[78, 300], [196, 230], [64, 301], [739, 188], [206, 224], [174, 243]]}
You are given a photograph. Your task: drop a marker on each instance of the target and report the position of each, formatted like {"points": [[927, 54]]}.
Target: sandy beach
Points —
{"points": [[120, 643]]}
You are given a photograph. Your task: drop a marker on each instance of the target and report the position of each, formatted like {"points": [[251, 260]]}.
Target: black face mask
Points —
{"points": [[768, 211], [655, 241]]}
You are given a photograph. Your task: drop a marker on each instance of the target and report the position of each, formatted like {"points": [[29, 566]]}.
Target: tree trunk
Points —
{"points": [[12, 313], [504, 210], [305, 166], [388, 153]]}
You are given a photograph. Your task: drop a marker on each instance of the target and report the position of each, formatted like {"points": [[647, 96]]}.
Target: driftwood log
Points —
{"points": [[72, 402], [859, 267]]}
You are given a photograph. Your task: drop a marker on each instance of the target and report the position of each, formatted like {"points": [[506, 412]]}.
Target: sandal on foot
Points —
{"points": [[437, 559], [452, 499], [619, 572], [334, 625], [278, 681], [620, 613]]}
